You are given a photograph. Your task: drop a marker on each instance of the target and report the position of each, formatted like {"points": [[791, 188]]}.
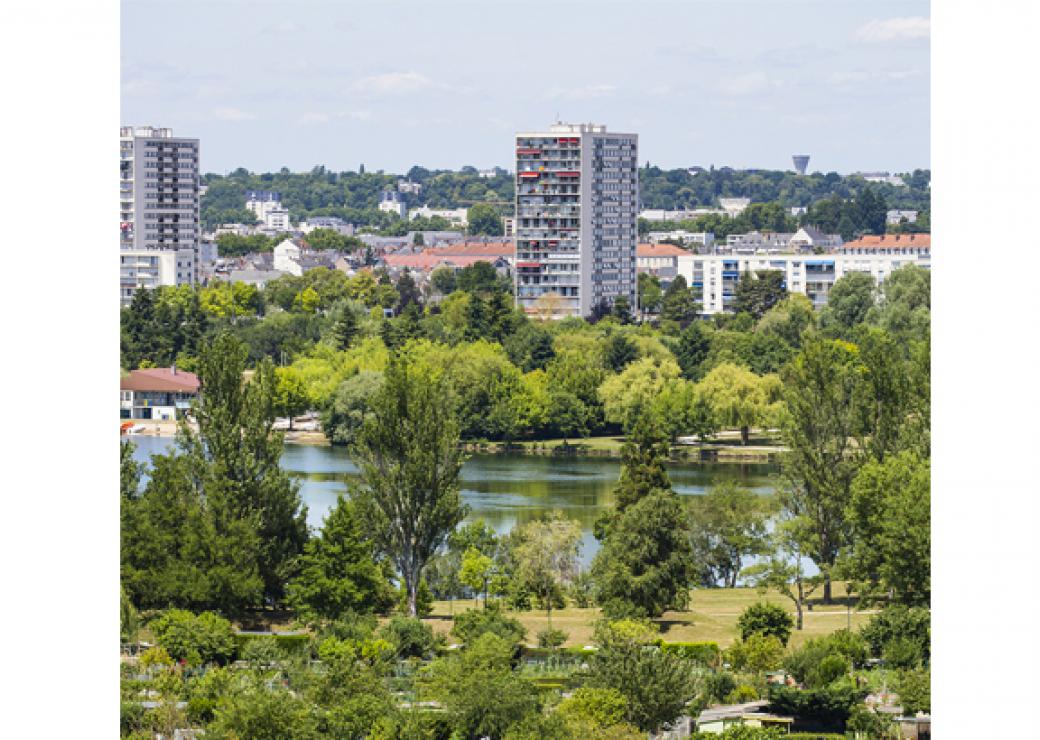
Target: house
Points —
{"points": [[161, 393], [251, 276], [914, 245], [716, 720], [659, 259], [287, 258], [809, 239], [391, 202], [897, 216]]}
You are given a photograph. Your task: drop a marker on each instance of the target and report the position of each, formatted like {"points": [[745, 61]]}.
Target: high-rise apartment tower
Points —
{"points": [[577, 198]]}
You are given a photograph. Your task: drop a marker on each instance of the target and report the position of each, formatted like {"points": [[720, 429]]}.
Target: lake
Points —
{"points": [[505, 490]]}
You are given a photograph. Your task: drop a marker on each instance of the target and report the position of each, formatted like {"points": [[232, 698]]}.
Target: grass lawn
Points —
{"points": [[724, 442], [712, 617]]}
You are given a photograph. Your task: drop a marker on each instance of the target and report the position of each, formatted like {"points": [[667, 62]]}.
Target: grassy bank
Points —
{"points": [[725, 447]]}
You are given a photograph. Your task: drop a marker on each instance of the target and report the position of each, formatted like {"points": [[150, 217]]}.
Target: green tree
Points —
{"points": [[338, 573], [757, 293], [619, 351], [650, 293], [290, 393], [692, 349], [679, 303], [789, 320], [256, 711], [482, 218], [475, 571], [727, 525], [344, 326], [195, 639], [545, 554], [818, 426], [739, 398], [757, 653], [849, 300], [782, 571], [408, 457], [443, 280], [765, 619], [569, 414]]}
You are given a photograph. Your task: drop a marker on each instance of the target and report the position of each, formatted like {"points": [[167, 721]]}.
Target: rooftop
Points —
{"points": [[660, 250], [166, 379], [891, 240]]}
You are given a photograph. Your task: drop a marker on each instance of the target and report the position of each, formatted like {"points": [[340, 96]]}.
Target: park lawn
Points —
{"points": [[712, 617], [723, 442]]}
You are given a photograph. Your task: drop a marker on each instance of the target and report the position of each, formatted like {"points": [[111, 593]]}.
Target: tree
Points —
{"points": [[256, 711], [644, 566], [408, 292], [545, 553], [591, 712], [568, 413], [621, 310], [631, 393], [757, 653], [350, 406], [344, 327], [782, 571], [849, 300], [679, 304], [656, 685], [619, 351], [476, 570], [692, 349], [727, 524], [891, 529], [739, 398], [409, 460], [757, 293], [819, 425], [789, 319], [650, 293], [197, 640], [338, 572], [765, 619], [290, 393], [482, 218], [443, 280], [480, 277]]}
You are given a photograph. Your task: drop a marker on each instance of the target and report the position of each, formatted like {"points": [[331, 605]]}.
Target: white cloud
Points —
{"points": [[394, 83], [894, 30], [585, 92], [231, 114]]}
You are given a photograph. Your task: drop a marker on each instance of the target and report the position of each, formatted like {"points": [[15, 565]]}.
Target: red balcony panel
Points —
{"points": [[530, 175], [528, 151], [528, 265]]}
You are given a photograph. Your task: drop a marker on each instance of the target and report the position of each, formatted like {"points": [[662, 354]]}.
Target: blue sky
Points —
{"points": [[392, 83]]}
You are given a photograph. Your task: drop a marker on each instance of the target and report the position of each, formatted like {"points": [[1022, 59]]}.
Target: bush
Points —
{"points": [[765, 619], [902, 653], [288, 644], [582, 591], [196, 640], [410, 637], [262, 653], [828, 670], [705, 653], [717, 686], [915, 691], [552, 639], [828, 707], [913, 624], [471, 624], [742, 695], [423, 599], [758, 653]]}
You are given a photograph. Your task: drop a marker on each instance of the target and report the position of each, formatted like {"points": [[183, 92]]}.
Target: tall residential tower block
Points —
{"points": [[577, 198]]}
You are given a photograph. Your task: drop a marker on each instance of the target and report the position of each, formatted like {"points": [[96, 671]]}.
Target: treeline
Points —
{"points": [[355, 196]]}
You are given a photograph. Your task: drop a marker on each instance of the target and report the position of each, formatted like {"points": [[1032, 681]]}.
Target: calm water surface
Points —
{"points": [[505, 490]]}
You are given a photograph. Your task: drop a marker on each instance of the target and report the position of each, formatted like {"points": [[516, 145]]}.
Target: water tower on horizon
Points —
{"points": [[801, 161]]}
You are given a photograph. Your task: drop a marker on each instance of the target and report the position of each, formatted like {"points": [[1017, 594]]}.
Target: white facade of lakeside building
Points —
{"points": [[714, 277], [151, 268]]}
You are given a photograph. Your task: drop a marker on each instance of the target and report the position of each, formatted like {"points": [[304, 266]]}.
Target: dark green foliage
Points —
{"points": [[692, 349], [471, 624], [530, 347], [481, 277], [344, 326], [897, 622], [655, 683], [806, 663], [619, 351], [408, 457], [718, 685], [482, 218], [551, 638], [756, 294], [763, 618], [195, 639], [351, 405], [410, 637], [338, 573], [679, 303], [849, 300], [279, 337], [827, 708], [915, 691], [295, 643], [407, 291], [727, 525], [159, 326]]}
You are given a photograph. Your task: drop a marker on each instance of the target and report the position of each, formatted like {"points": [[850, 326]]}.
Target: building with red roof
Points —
{"points": [[162, 393], [916, 245], [659, 259]]}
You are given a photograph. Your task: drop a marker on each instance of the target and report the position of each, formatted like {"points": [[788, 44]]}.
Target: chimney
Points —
{"points": [[173, 369]]}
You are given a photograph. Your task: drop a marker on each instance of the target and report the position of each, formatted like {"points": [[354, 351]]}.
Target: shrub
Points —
{"points": [[828, 707], [741, 695], [717, 686], [828, 670], [410, 637], [758, 653], [288, 644], [915, 691], [897, 621], [765, 619], [551, 638], [902, 652], [471, 624], [423, 599], [206, 638], [262, 652], [705, 653], [582, 590], [639, 630]]}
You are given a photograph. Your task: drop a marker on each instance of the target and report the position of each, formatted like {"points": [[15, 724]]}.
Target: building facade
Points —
{"points": [[714, 278], [160, 393], [159, 189], [151, 268], [577, 199], [392, 202]]}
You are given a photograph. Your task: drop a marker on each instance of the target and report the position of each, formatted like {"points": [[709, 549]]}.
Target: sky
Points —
{"points": [[442, 84]]}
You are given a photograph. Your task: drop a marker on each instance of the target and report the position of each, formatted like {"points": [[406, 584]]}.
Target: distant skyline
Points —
{"points": [[397, 83]]}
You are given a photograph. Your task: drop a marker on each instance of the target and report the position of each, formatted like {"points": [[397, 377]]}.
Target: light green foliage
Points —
{"points": [[254, 711], [739, 398], [476, 571], [790, 319], [626, 395], [909, 626], [758, 653], [915, 691], [290, 393], [848, 302], [545, 554], [410, 637], [470, 625], [811, 664], [598, 713], [205, 638], [350, 406]]}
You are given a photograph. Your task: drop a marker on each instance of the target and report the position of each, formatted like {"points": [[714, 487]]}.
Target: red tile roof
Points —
{"points": [[160, 379], [486, 249], [659, 250], [891, 240]]}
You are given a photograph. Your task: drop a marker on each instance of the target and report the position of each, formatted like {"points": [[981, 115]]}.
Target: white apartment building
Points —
{"points": [[660, 214], [392, 202], [150, 268], [896, 216], [456, 216], [577, 199], [287, 258], [734, 206], [158, 190], [689, 238], [714, 277], [508, 227], [407, 186]]}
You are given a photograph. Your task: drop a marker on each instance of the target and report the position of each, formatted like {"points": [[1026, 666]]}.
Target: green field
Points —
{"points": [[712, 617]]}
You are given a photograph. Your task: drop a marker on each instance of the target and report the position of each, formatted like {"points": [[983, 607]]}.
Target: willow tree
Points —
{"points": [[409, 459], [739, 398]]}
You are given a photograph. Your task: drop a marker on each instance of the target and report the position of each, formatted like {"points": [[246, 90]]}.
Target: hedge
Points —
{"points": [[707, 653]]}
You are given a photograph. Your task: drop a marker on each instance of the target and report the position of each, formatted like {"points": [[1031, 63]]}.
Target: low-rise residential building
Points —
{"points": [[151, 268], [659, 259], [896, 216], [714, 277], [890, 245], [881, 177], [327, 222], [687, 238], [392, 202], [734, 206], [407, 186], [716, 720], [810, 239], [755, 241], [287, 258], [159, 393]]}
